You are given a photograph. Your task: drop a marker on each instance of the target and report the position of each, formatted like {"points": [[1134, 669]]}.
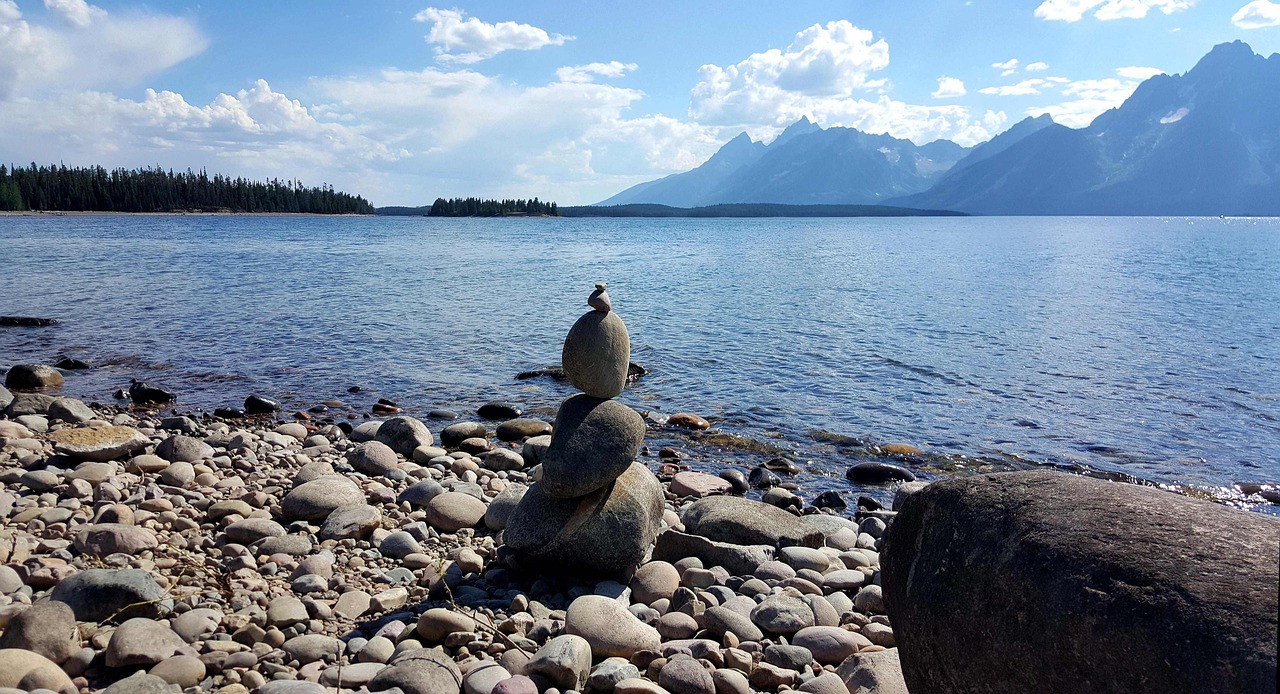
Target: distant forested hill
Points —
{"points": [[95, 189]]}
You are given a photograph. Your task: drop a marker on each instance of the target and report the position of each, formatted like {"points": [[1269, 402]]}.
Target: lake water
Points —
{"points": [[1145, 346]]}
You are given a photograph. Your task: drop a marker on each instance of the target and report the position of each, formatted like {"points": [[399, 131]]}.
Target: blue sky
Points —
{"points": [[571, 101]]}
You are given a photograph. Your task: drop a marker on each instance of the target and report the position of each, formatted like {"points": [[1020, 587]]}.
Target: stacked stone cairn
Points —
{"points": [[595, 511]]}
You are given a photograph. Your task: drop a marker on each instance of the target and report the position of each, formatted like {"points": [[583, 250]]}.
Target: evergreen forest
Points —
{"points": [[475, 207], [95, 189]]}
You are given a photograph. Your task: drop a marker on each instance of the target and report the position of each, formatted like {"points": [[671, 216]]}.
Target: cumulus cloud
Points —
{"points": [[587, 73], [1036, 67], [1257, 15], [75, 12], [949, 88], [1106, 10], [1084, 100], [94, 50], [466, 41]]}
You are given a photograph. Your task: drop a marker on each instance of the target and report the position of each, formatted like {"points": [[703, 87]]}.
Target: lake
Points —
{"points": [[1145, 346]]}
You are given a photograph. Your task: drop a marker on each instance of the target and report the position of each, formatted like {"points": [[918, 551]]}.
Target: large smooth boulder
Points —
{"points": [[742, 521], [596, 354], [403, 434], [101, 539], [98, 594], [420, 671], [609, 627], [601, 533], [739, 560], [47, 627], [26, 671], [37, 376], [315, 500], [1048, 582], [98, 443], [594, 441], [880, 672]]}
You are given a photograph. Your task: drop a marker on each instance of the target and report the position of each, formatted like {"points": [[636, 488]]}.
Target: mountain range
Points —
{"points": [[1206, 142]]}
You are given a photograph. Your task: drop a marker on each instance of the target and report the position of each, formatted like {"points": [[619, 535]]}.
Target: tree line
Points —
{"points": [[95, 189], [475, 207]]}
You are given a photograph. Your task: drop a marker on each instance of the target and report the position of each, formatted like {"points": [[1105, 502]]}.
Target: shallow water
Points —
{"points": [[1141, 346]]}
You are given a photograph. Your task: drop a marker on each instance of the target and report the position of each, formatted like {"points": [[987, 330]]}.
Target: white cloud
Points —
{"points": [[587, 73], [1036, 67], [467, 41], [819, 75], [1006, 68], [94, 51], [1023, 88], [949, 88], [1257, 15], [1138, 73], [75, 12], [1106, 10], [1086, 99]]}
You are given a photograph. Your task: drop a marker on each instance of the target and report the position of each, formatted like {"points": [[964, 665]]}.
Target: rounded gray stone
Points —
{"points": [[182, 448], [315, 500], [372, 458], [97, 594], [782, 614], [595, 442], [596, 354], [351, 522], [404, 434], [47, 628]]}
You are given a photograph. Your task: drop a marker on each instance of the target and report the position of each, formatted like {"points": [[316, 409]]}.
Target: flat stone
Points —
{"points": [[609, 628], [879, 473], [140, 683], [27, 404], [311, 648], [437, 623], [739, 560], [564, 660], [102, 539], [95, 595], [829, 645], [721, 620], [250, 530], [182, 670], [595, 442], [351, 523], [315, 500], [698, 484], [70, 410], [482, 678], [742, 521], [523, 428], [98, 443], [399, 544], [285, 611], [141, 641], [420, 494], [351, 676], [420, 671]]}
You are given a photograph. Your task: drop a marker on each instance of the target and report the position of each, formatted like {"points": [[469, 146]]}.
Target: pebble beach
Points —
{"points": [[143, 549]]}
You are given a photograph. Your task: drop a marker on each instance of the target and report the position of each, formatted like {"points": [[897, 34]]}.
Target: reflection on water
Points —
{"points": [[1143, 346]]}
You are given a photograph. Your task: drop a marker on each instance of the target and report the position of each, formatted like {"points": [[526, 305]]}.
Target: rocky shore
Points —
{"points": [[143, 551]]}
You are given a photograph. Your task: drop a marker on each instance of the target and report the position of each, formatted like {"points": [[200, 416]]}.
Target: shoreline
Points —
{"points": [[49, 213]]}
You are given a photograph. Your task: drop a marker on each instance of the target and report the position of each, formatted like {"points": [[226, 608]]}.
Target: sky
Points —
{"points": [[571, 101]]}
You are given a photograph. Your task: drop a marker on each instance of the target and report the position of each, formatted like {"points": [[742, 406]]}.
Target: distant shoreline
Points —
{"points": [[55, 213]]}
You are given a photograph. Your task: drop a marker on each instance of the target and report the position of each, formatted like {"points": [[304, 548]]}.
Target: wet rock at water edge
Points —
{"points": [[404, 434], [26, 322], [256, 404], [70, 364], [736, 480], [686, 420], [879, 473], [763, 478], [499, 410], [147, 395], [32, 377]]}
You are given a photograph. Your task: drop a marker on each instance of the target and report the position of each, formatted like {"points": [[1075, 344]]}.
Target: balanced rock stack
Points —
{"points": [[595, 511]]}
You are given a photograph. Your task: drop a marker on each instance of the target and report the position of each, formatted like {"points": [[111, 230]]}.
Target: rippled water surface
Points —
{"points": [[1145, 346]]}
